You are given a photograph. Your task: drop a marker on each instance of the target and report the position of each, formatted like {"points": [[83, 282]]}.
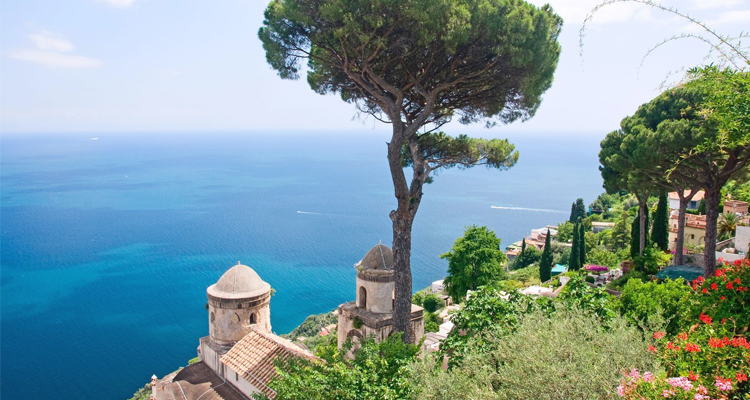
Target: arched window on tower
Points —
{"points": [[253, 319], [362, 297], [213, 316]]}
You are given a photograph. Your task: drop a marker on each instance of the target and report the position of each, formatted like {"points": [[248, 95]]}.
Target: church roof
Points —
{"points": [[253, 358], [239, 282], [378, 258]]}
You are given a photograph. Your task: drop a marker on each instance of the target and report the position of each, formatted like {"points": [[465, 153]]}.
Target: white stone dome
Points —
{"points": [[379, 258], [239, 282]]}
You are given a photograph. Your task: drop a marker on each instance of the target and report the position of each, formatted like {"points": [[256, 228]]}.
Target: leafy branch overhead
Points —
{"points": [[443, 151]]}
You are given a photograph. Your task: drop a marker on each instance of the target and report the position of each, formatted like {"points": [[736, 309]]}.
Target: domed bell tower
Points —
{"points": [[237, 303]]}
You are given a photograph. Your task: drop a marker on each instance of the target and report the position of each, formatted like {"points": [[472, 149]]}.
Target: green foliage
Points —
{"points": [[727, 225], [581, 246], [565, 231], [527, 257], [357, 322], [432, 303], [475, 260], [418, 298], [310, 327], [577, 211], [660, 229], [526, 276], [599, 255], [568, 356], [652, 260], [620, 237], [143, 393], [738, 189], [650, 304], [545, 262], [193, 360], [619, 283], [378, 371], [575, 250], [594, 300], [432, 322]]}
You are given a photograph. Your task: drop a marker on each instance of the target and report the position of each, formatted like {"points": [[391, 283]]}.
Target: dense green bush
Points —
{"points": [[143, 393], [418, 298], [432, 303], [378, 372], [652, 304], [620, 282], [652, 260], [569, 355], [432, 322]]}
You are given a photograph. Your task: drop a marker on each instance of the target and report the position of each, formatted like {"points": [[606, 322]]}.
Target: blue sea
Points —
{"points": [[109, 240]]}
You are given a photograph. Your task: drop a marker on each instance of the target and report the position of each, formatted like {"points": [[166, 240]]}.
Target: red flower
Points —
{"points": [[723, 320], [705, 318], [670, 346], [692, 348], [658, 335], [737, 281], [722, 298], [693, 377], [741, 377], [720, 272], [683, 336], [730, 286], [715, 343], [651, 349], [705, 291], [713, 286]]}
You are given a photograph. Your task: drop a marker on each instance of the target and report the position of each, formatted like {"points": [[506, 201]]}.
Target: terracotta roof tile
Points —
{"points": [[254, 356]]}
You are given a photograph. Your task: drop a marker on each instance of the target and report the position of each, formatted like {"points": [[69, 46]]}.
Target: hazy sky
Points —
{"points": [[176, 65]]}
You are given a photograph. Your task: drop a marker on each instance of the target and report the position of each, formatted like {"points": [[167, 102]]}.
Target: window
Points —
{"points": [[236, 377], [362, 297], [213, 317], [252, 318], [692, 236]]}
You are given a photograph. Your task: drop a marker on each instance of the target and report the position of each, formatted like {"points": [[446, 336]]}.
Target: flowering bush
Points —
{"points": [[725, 297], [708, 356], [636, 387], [596, 268]]}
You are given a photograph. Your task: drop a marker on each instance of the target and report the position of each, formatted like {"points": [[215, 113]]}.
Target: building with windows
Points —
{"points": [[371, 314]]}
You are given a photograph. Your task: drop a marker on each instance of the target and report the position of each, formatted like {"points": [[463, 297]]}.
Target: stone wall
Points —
{"points": [[230, 320]]}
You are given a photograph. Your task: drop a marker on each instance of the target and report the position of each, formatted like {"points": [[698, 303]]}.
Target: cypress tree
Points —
{"points": [[635, 236], [545, 264], [660, 229], [581, 245], [523, 245], [575, 256], [577, 211]]}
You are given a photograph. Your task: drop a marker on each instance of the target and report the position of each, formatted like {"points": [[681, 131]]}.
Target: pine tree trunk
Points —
{"points": [[402, 218], [679, 244], [712, 215]]}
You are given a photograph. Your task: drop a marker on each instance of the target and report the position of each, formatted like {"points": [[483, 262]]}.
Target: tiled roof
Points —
{"points": [[253, 358], [699, 195]]}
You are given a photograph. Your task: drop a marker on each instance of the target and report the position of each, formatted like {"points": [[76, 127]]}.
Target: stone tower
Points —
{"points": [[237, 303], [372, 312]]}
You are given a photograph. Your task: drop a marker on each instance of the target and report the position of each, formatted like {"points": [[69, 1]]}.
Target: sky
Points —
{"points": [[187, 65]]}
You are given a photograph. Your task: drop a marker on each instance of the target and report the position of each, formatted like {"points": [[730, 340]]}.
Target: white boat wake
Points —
{"points": [[528, 209], [315, 213]]}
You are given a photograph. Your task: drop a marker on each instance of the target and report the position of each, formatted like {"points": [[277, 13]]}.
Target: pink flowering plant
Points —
{"points": [[637, 386], [596, 268]]}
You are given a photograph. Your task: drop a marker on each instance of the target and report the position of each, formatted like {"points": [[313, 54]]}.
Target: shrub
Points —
{"points": [[619, 283], [378, 371], [432, 303], [432, 322], [418, 298], [649, 304], [652, 260], [568, 356]]}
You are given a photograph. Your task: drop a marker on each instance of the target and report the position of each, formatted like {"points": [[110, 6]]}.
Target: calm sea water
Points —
{"points": [[108, 245]]}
